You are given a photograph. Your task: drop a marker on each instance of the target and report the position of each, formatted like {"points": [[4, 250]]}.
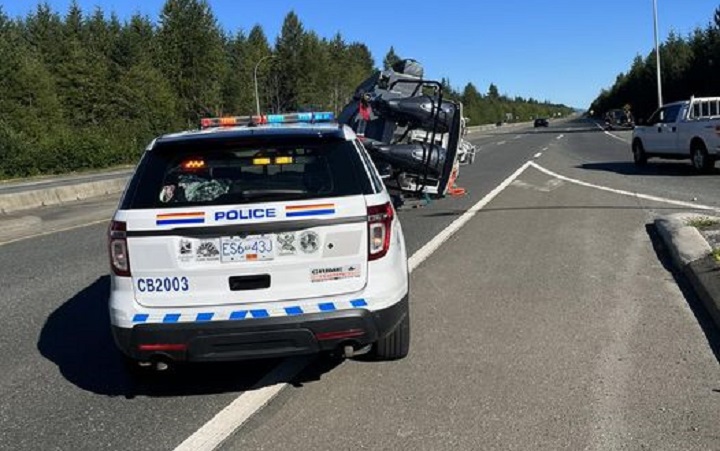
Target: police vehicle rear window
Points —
{"points": [[218, 172]]}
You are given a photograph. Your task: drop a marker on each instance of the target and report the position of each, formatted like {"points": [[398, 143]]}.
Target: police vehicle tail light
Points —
{"points": [[117, 242], [380, 219], [292, 118]]}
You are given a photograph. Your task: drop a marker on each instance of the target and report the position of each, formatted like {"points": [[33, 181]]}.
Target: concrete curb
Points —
{"points": [[14, 202], [690, 253]]}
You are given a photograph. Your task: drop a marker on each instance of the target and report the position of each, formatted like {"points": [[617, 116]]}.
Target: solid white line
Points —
{"points": [[680, 203], [50, 232], [611, 134], [617, 137], [426, 251], [213, 433]]}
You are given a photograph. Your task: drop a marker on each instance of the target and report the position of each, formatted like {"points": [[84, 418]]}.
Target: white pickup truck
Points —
{"points": [[681, 131]]}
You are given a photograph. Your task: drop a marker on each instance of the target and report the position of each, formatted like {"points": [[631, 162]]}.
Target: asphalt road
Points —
{"points": [[548, 322]]}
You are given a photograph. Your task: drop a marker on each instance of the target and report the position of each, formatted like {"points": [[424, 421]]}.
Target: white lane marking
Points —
{"points": [[550, 185], [501, 143], [213, 433], [431, 246], [612, 135], [679, 203], [545, 149], [560, 137], [617, 137], [518, 137], [50, 232], [537, 155]]}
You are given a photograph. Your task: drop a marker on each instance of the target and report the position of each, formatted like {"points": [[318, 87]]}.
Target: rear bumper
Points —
{"points": [[259, 338]]}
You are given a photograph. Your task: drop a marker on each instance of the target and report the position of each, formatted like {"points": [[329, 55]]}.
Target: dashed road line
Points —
{"points": [[537, 155], [501, 143], [560, 137]]}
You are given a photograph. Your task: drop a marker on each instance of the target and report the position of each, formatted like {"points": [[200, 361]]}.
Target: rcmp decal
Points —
{"points": [[334, 273], [208, 251], [245, 214], [286, 244], [189, 250], [185, 251], [309, 242], [195, 217], [300, 211]]}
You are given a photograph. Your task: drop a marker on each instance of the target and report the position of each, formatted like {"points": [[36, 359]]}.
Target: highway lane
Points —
{"points": [[551, 321], [588, 154], [62, 385], [547, 323]]}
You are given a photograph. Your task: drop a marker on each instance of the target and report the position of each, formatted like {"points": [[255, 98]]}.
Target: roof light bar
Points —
{"points": [[290, 118]]}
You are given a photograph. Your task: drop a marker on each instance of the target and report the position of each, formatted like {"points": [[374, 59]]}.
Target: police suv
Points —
{"points": [[260, 236]]}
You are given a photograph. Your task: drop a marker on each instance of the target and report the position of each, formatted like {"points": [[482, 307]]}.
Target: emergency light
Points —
{"points": [[291, 118]]}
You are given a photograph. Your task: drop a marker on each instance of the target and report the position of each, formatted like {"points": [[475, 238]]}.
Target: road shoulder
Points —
{"points": [[692, 255]]}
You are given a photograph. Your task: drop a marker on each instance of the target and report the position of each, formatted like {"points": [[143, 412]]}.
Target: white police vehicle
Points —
{"points": [[262, 236]]}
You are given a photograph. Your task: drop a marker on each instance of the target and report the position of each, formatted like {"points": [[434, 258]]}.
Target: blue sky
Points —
{"points": [[564, 51]]}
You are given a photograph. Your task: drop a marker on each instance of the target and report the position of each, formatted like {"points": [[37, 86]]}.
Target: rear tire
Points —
{"points": [[395, 345], [701, 161], [639, 155]]}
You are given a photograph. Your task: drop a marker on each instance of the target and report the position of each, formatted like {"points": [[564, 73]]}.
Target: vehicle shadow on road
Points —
{"points": [[711, 331], [629, 168], [77, 338]]}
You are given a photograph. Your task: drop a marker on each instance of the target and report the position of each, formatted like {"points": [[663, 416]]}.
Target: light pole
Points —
{"points": [[657, 55], [257, 96]]}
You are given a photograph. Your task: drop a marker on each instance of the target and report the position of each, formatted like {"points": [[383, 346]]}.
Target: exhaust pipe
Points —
{"points": [[160, 363], [349, 351]]}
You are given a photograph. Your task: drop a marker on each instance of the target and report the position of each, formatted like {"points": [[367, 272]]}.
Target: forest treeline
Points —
{"points": [[82, 90], [690, 66]]}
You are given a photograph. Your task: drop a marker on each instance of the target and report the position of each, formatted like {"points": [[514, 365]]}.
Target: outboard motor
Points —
{"points": [[416, 157], [417, 112], [405, 122]]}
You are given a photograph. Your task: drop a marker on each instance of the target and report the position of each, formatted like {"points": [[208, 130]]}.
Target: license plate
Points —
{"points": [[249, 248]]}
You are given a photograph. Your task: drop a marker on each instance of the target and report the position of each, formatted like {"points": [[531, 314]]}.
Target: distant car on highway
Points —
{"points": [[679, 131], [541, 122]]}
